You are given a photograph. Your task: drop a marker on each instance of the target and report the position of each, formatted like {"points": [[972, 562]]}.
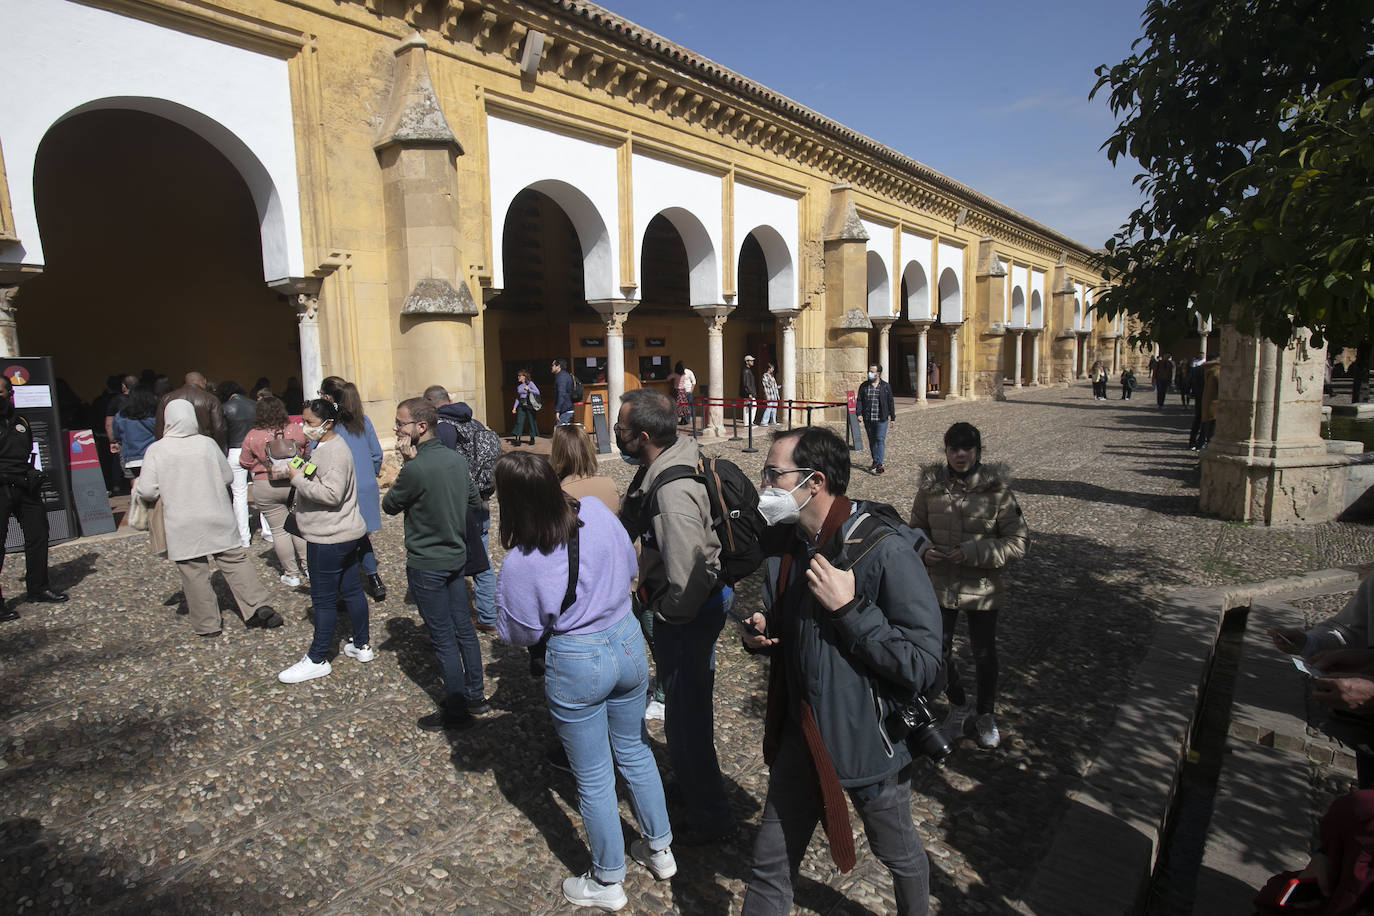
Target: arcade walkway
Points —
{"points": [[144, 770]]}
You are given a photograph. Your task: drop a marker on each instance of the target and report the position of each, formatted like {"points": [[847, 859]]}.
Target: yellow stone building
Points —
{"points": [[410, 192]]}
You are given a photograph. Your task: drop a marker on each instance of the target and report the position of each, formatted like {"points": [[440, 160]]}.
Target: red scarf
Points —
{"points": [[834, 810]]}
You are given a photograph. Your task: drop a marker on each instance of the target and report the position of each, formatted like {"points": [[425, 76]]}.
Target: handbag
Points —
{"points": [[138, 514], [279, 451], [533, 399], [157, 532]]}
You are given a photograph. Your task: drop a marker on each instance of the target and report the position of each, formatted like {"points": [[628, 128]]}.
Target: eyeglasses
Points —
{"points": [[621, 429], [771, 474], [400, 425]]}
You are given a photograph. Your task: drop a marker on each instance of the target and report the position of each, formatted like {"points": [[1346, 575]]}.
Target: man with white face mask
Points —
{"points": [[847, 639]]}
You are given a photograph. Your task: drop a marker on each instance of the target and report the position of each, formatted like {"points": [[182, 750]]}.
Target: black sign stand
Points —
{"points": [[33, 387], [599, 426]]}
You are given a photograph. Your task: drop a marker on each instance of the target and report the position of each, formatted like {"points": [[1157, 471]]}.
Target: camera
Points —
{"points": [[923, 735]]}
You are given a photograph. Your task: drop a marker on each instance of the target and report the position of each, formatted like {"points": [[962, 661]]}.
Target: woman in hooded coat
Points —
{"points": [[189, 473]]}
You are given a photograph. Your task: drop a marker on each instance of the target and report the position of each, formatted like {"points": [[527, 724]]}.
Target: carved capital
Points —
{"points": [[786, 319], [9, 304], [614, 312], [307, 306], [714, 316]]}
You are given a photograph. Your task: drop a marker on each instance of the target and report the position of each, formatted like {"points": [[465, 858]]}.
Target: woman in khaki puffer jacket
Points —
{"points": [[975, 526]]}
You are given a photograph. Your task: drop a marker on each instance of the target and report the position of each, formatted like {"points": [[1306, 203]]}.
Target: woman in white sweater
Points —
{"points": [[327, 517], [189, 473]]}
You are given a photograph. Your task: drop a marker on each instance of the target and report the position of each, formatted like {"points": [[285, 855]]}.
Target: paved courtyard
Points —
{"points": [[144, 769]]}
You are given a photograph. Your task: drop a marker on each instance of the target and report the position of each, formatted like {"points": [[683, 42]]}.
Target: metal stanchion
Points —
{"points": [[693, 413], [736, 437], [749, 447], [808, 414]]}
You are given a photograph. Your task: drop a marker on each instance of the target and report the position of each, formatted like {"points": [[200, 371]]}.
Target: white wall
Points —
{"points": [[916, 250], [779, 215], [578, 174], [62, 58], [1019, 281], [1037, 299], [950, 257], [692, 201], [883, 288]]}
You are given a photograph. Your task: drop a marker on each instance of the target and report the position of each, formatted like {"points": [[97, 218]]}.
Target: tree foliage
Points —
{"points": [[1254, 123]]}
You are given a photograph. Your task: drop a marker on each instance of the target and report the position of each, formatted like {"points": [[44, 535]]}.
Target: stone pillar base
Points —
{"points": [[1273, 491]]}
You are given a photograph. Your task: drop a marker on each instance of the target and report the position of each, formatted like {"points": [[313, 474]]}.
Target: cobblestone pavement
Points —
{"points": [[144, 769]]}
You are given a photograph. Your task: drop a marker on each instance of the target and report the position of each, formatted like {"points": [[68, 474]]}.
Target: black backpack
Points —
{"points": [[577, 393], [735, 514]]}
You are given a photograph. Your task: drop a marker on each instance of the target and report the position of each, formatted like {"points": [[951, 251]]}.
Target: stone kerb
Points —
{"points": [[1104, 850]]}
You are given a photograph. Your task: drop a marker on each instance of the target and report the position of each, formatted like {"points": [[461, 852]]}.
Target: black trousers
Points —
{"points": [[27, 506]]}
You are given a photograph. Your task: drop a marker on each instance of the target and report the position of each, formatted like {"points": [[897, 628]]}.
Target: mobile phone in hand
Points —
{"points": [[1302, 665]]}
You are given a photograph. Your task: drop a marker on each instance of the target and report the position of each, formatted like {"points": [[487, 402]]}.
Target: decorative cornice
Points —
{"points": [[205, 20]]}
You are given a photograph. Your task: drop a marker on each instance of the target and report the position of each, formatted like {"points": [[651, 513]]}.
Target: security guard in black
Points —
{"points": [[21, 497]]}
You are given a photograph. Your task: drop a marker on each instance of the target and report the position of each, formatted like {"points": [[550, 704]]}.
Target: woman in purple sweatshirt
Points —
{"points": [[597, 666]]}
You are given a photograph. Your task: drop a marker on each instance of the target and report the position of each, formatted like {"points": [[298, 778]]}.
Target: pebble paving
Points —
{"points": [[143, 769]]}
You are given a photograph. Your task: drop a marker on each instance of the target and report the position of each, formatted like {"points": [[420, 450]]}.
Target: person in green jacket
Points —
{"points": [[435, 492]]}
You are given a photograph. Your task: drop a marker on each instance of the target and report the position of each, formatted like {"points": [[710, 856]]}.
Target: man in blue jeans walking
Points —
{"points": [[878, 409], [679, 569], [435, 491], [562, 391]]}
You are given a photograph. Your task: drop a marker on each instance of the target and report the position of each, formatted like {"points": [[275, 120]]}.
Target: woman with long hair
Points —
{"points": [[273, 431], [133, 428], [356, 430], [526, 393], [566, 578], [327, 517], [574, 461]]}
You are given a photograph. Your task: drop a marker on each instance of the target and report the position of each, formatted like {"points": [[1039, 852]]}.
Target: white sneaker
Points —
{"points": [[290, 581], [584, 890], [985, 731], [304, 670], [361, 653], [653, 710], [660, 863]]}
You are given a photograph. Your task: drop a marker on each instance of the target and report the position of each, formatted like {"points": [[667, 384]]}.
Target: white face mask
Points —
{"points": [[777, 506], [872, 376], [315, 433]]}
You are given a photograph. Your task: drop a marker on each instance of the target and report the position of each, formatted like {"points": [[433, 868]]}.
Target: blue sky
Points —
{"points": [[990, 92]]}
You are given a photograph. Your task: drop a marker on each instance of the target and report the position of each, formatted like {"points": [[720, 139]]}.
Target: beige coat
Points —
{"points": [[980, 516], [189, 473]]}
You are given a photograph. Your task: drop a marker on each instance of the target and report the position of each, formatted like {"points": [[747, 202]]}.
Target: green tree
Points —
{"points": [[1254, 123]]}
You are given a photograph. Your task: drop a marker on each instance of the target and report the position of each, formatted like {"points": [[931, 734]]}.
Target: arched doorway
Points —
{"points": [[663, 330], [541, 314], [904, 376], [153, 258], [755, 328]]}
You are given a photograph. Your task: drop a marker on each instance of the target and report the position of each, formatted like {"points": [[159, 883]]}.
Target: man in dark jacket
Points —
{"points": [[21, 496], [562, 391], [877, 409], [841, 640], [749, 388], [209, 414], [435, 491]]}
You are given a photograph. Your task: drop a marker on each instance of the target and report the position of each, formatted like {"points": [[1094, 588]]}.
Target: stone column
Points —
{"points": [[1017, 382], [1267, 462], [1035, 357], [308, 326], [884, 326], [714, 316], [952, 386], [614, 313], [787, 320], [1202, 347], [1116, 356], [9, 332], [922, 356]]}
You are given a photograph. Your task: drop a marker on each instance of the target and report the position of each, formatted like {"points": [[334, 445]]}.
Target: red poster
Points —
{"points": [[853, 404], [81, 449]]}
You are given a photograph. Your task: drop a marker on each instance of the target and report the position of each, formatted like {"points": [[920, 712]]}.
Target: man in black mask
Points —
{"points": [[20, 484]]}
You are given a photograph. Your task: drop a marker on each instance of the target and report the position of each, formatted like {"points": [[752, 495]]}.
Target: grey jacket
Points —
{"points": [[854, 667], [980, 516], [680, 558]]}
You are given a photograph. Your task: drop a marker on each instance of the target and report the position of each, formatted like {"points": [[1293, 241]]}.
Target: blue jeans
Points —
{"points": [[595, 685], [565, 416], [686, 657], [484, 583], [442, 597], [334, 581], [877, 439], [770, 414]]}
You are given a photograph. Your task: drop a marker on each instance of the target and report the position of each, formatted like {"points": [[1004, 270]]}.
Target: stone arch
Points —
{"points": [[272, 217], [782, 288], [916, 303], [703, 271], [1018, 307], [598, 255], [879, 287], [1037, 310], [951, 297]]}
